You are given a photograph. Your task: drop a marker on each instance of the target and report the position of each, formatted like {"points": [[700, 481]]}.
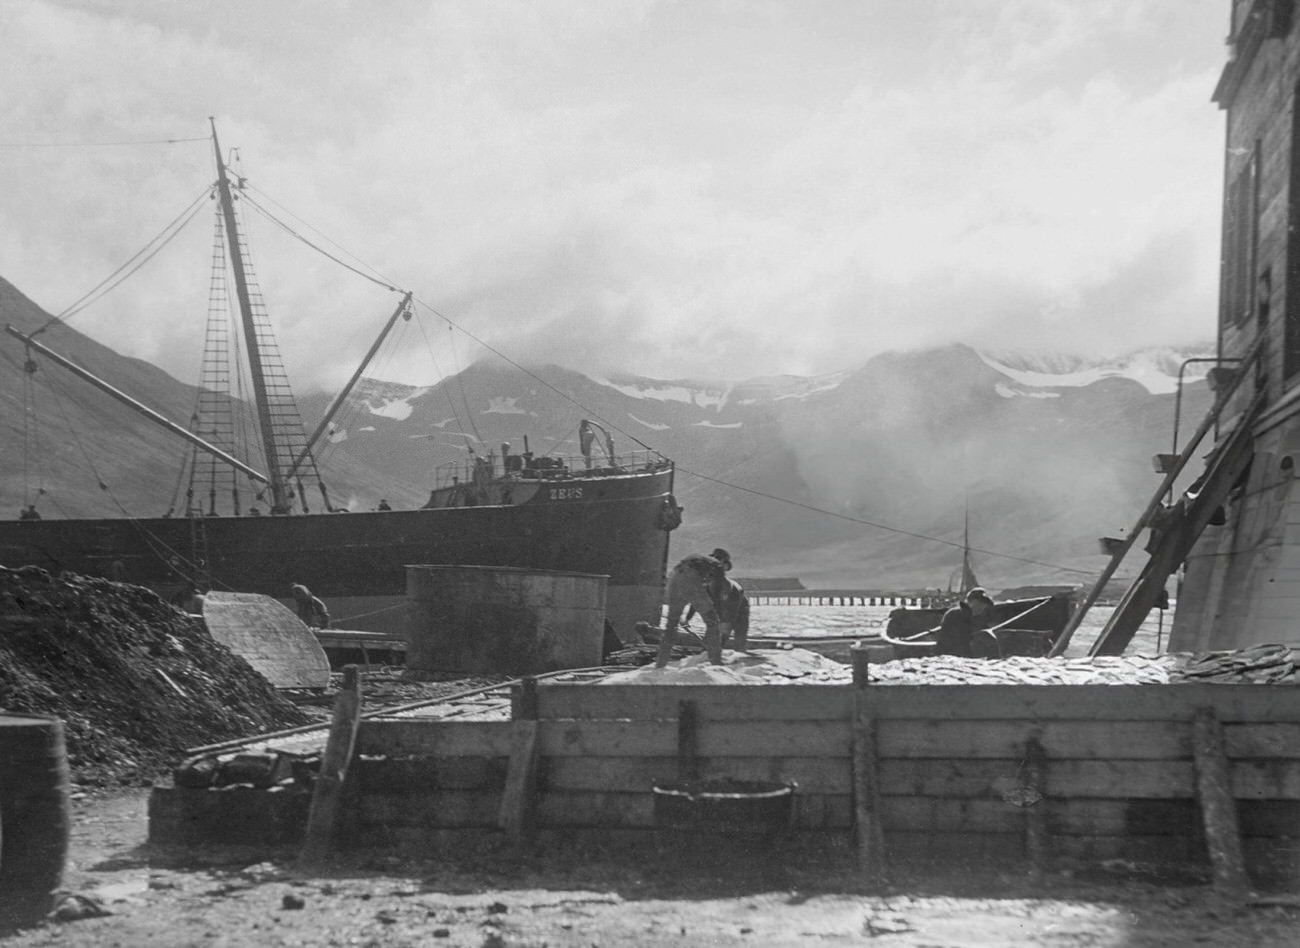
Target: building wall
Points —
{"points": [[1241, 584]]}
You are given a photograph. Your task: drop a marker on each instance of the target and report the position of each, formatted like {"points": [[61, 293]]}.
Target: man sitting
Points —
{"points": [[963, 631]]}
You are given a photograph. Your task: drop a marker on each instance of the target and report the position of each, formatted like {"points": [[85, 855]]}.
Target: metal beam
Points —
{"points": [[130, 402]]}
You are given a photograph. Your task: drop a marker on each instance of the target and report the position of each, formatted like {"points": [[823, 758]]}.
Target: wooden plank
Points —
{"points": [[1065, 778], [623, 810], [427, 737], [607, 810], [428, 774], [609, 738], [688, 741], [1261, 740], [715, 739], [1218, 809], [1265, 779], [327, 794], [1041, 703], [1007, 846], [609, 701], [1084, 740], [868, 825], [813, 775], [1064, 818], [444, 809]]}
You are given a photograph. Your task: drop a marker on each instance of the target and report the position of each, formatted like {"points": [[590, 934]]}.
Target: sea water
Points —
{"points": [[1152, 637]]}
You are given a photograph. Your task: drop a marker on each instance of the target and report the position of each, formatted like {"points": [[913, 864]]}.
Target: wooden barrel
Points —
{"points": [[34, 818]]}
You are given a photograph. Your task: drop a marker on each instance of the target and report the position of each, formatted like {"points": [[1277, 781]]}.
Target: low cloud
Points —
{"points": [[629, 185]]}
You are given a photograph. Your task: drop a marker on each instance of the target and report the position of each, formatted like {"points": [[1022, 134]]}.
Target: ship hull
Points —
{"points": [[356, 562]]}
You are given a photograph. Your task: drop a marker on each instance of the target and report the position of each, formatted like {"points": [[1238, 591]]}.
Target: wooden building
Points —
{"points": [[1241, 521]]}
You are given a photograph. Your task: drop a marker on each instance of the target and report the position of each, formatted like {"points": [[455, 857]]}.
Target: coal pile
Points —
{"points": [[135, 681]]}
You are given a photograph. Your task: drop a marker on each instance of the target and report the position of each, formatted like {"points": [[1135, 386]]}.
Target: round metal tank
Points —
{"points": [[503, 620]]}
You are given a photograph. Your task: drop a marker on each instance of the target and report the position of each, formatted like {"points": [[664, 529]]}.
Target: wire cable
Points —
{"points": [[156, 141], [117, 277], [881, 526]]}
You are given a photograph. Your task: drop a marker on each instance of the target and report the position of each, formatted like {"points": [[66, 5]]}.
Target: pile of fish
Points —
{"points": [[1022, 670], [1262, 664], [758, 667]]}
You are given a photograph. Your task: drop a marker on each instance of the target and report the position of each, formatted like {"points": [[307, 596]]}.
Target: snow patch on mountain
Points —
{"points": [[1008, 391], [714, 424], [649, 424], [667, 392], [813, 386], [504, 405], [1156, 369], [397, 407]]}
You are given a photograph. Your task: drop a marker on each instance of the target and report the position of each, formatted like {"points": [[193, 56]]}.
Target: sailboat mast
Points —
{"points": [[277, 486]]}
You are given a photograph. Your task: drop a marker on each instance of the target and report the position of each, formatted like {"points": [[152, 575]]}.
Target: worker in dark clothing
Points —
{"points": [[963, 624], [698, 581], [310, 609], [733, 610]]}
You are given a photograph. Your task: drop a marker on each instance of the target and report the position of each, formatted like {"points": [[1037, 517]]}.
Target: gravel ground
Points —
{"points": [[498, 897]]}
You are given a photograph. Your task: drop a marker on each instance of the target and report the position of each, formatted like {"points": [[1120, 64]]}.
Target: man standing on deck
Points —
{"points": [[700, 582], [963, 623], [310, 609]]}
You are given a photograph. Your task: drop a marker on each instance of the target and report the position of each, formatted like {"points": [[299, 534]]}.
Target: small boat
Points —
{"points": [[1022, 626]]}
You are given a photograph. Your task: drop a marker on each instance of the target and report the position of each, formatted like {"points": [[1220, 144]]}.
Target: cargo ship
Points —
{"points": [[600, 511]]}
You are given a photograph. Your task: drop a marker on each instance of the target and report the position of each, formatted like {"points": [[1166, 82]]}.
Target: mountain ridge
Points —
{"points": [[860, 477]]}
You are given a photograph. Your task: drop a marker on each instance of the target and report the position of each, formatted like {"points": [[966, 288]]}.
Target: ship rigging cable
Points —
{"points": [[117, 277]]}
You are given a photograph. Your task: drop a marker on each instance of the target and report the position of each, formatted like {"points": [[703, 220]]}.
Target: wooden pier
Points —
{"points": [[844, 597]]}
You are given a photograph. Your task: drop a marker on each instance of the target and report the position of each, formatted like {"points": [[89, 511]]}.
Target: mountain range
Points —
{"points": [[866, 478]]}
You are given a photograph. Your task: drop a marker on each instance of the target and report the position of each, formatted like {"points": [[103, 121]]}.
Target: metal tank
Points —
{"points": [[503, 620]]}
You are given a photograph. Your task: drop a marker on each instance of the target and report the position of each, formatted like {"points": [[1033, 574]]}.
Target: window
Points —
{"points": [[1237, 282]]}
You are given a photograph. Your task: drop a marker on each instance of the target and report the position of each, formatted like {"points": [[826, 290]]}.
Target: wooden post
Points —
{"points": [[868, 829], [1036, 807], [688, 742], [323, 817], [861, 660], [523, 699], [519, 799], [1218, 807]]}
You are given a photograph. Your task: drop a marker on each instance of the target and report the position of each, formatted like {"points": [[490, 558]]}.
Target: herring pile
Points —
{"points": [[1022, 670]]}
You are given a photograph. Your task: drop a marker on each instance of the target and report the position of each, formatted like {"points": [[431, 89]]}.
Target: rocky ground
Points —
{"points": [[134, 680], [496, 897]]}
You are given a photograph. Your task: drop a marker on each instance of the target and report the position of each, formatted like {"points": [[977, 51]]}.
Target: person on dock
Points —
{"points": [[964, 627], [700, 582], [310, 609]]}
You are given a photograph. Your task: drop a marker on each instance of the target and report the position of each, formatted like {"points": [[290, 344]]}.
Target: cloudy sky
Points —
{"points": [[676, 188]]}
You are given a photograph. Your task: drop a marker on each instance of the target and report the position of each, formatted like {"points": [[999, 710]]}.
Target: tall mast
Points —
{"points": [[968, 580], [277, 486]]}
